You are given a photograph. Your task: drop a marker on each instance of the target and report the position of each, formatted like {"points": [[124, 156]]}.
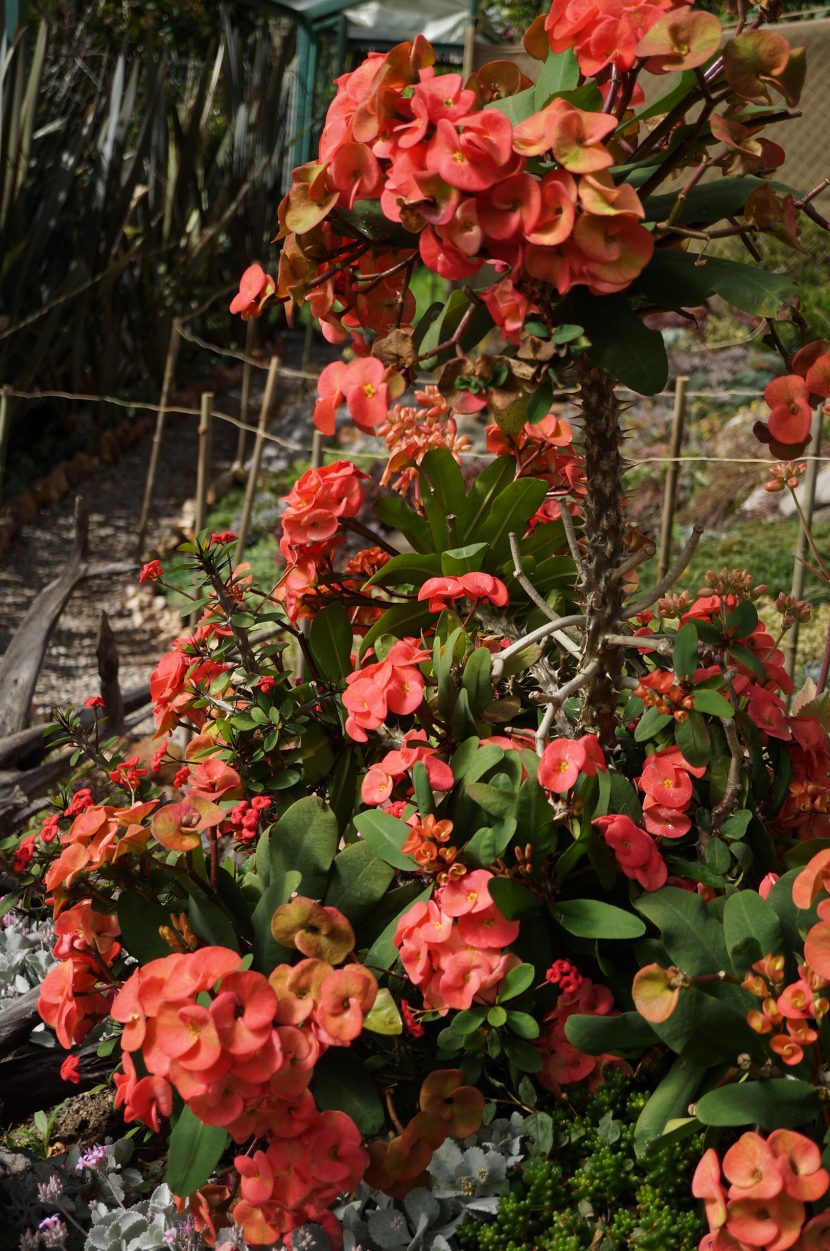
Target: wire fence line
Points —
{"points": [[306, 449]]}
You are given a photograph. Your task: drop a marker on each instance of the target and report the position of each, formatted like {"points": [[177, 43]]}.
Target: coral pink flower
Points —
{"points": [[474, 153], [346, 995], [443, 592], [393, 685], [799, 1163], [707, 1185], [634, 849], [361, 384], [487, 927], [561, 764], [750, 1166], [319, 500], [255, 289], [469, 893], [243, 1012], [790, 414]]}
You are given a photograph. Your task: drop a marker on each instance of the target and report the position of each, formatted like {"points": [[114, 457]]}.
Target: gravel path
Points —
{"points": [[140, 619]]}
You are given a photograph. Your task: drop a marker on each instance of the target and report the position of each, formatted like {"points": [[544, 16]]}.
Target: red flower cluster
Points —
{"points": [[99, 835], [634, 849], [314, 509], [770, 1180], [612, 33], [240, 1050], [391, 685], [457, 175], [792, 398], [563, 1064], [666, 781], [77, 992], [175, 687], [453, 946]]}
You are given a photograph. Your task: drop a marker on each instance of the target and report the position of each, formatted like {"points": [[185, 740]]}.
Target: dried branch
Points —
{"points": [[660, 643], [570, 535], [535, 636], [671, 577], [639, 558], [569, 688], [540, 602], [544, 728]]}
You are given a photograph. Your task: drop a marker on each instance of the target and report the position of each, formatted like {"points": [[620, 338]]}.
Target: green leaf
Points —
{"points": [[139, 920], [513, 899], [666, 103], [671, 1099], [523, 1024], [460, 560], [724, 197], [684, 657], [488, 843], [526, 1057], [718, 856], [518, 107], [616, 1035], [694, 740], [359, 880], [476, 680], [736, 826], [620, 342], [751, 929], [409, 569], [510, 513], [305, 838], [592, 918], [402, 620], [713, 704], [211, 923], [691, 935], [650, 724], [559, 73], [516, 982], [342, 1083], [742, 654], [494, 800], [441, 477], [393, 512], [193, 1153], [385, 835], [487, 487], [779, 1103], [684, 279]]}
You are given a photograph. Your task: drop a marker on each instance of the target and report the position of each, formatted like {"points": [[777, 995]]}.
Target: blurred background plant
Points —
{"points": [[141, 153]]}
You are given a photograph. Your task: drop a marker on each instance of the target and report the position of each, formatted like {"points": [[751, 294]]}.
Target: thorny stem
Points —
{"points": [[246, 653], [605, 547], [535, 636], [570, 534]]}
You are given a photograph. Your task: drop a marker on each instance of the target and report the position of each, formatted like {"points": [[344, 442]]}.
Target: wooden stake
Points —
{"points": [[256, 459], [107, 655], [808, 508], [203, 464], [245, 398], [5, 426], [672, 476], [166, 386]]}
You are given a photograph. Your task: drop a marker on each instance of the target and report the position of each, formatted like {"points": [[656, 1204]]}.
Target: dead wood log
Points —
{"points": [[17, 1020], [107, 655], [32, 1081], [21, 664]]}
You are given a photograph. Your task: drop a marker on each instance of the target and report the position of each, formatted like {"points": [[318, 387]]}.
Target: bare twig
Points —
{"points": [[570, 535], [659, 643], [639, 558], [527, 586], [544, 729], [671, 577]]}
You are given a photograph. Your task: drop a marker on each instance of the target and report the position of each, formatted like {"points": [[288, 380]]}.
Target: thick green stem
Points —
{"points": [[604, 540]]}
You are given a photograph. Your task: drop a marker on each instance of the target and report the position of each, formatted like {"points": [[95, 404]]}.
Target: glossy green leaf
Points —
{"points": [[559, 73], [359, 880], [779, 1103], [692, 936], [342, 1083], [593, 918], [684, 656], [713, 704], [670, 1099], [616, 1035], [620, 342], [193, 1153], [385, 835], [402, 620], [512, 898]]}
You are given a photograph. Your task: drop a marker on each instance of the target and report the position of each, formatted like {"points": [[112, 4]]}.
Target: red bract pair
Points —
{"points": [[565, 759], [380, 779], [77, 992], [792, 398], [562, 1063], [666, 781]]}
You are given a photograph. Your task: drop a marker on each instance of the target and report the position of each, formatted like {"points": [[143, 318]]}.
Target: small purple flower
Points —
{"points": [[92, 1159]]}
